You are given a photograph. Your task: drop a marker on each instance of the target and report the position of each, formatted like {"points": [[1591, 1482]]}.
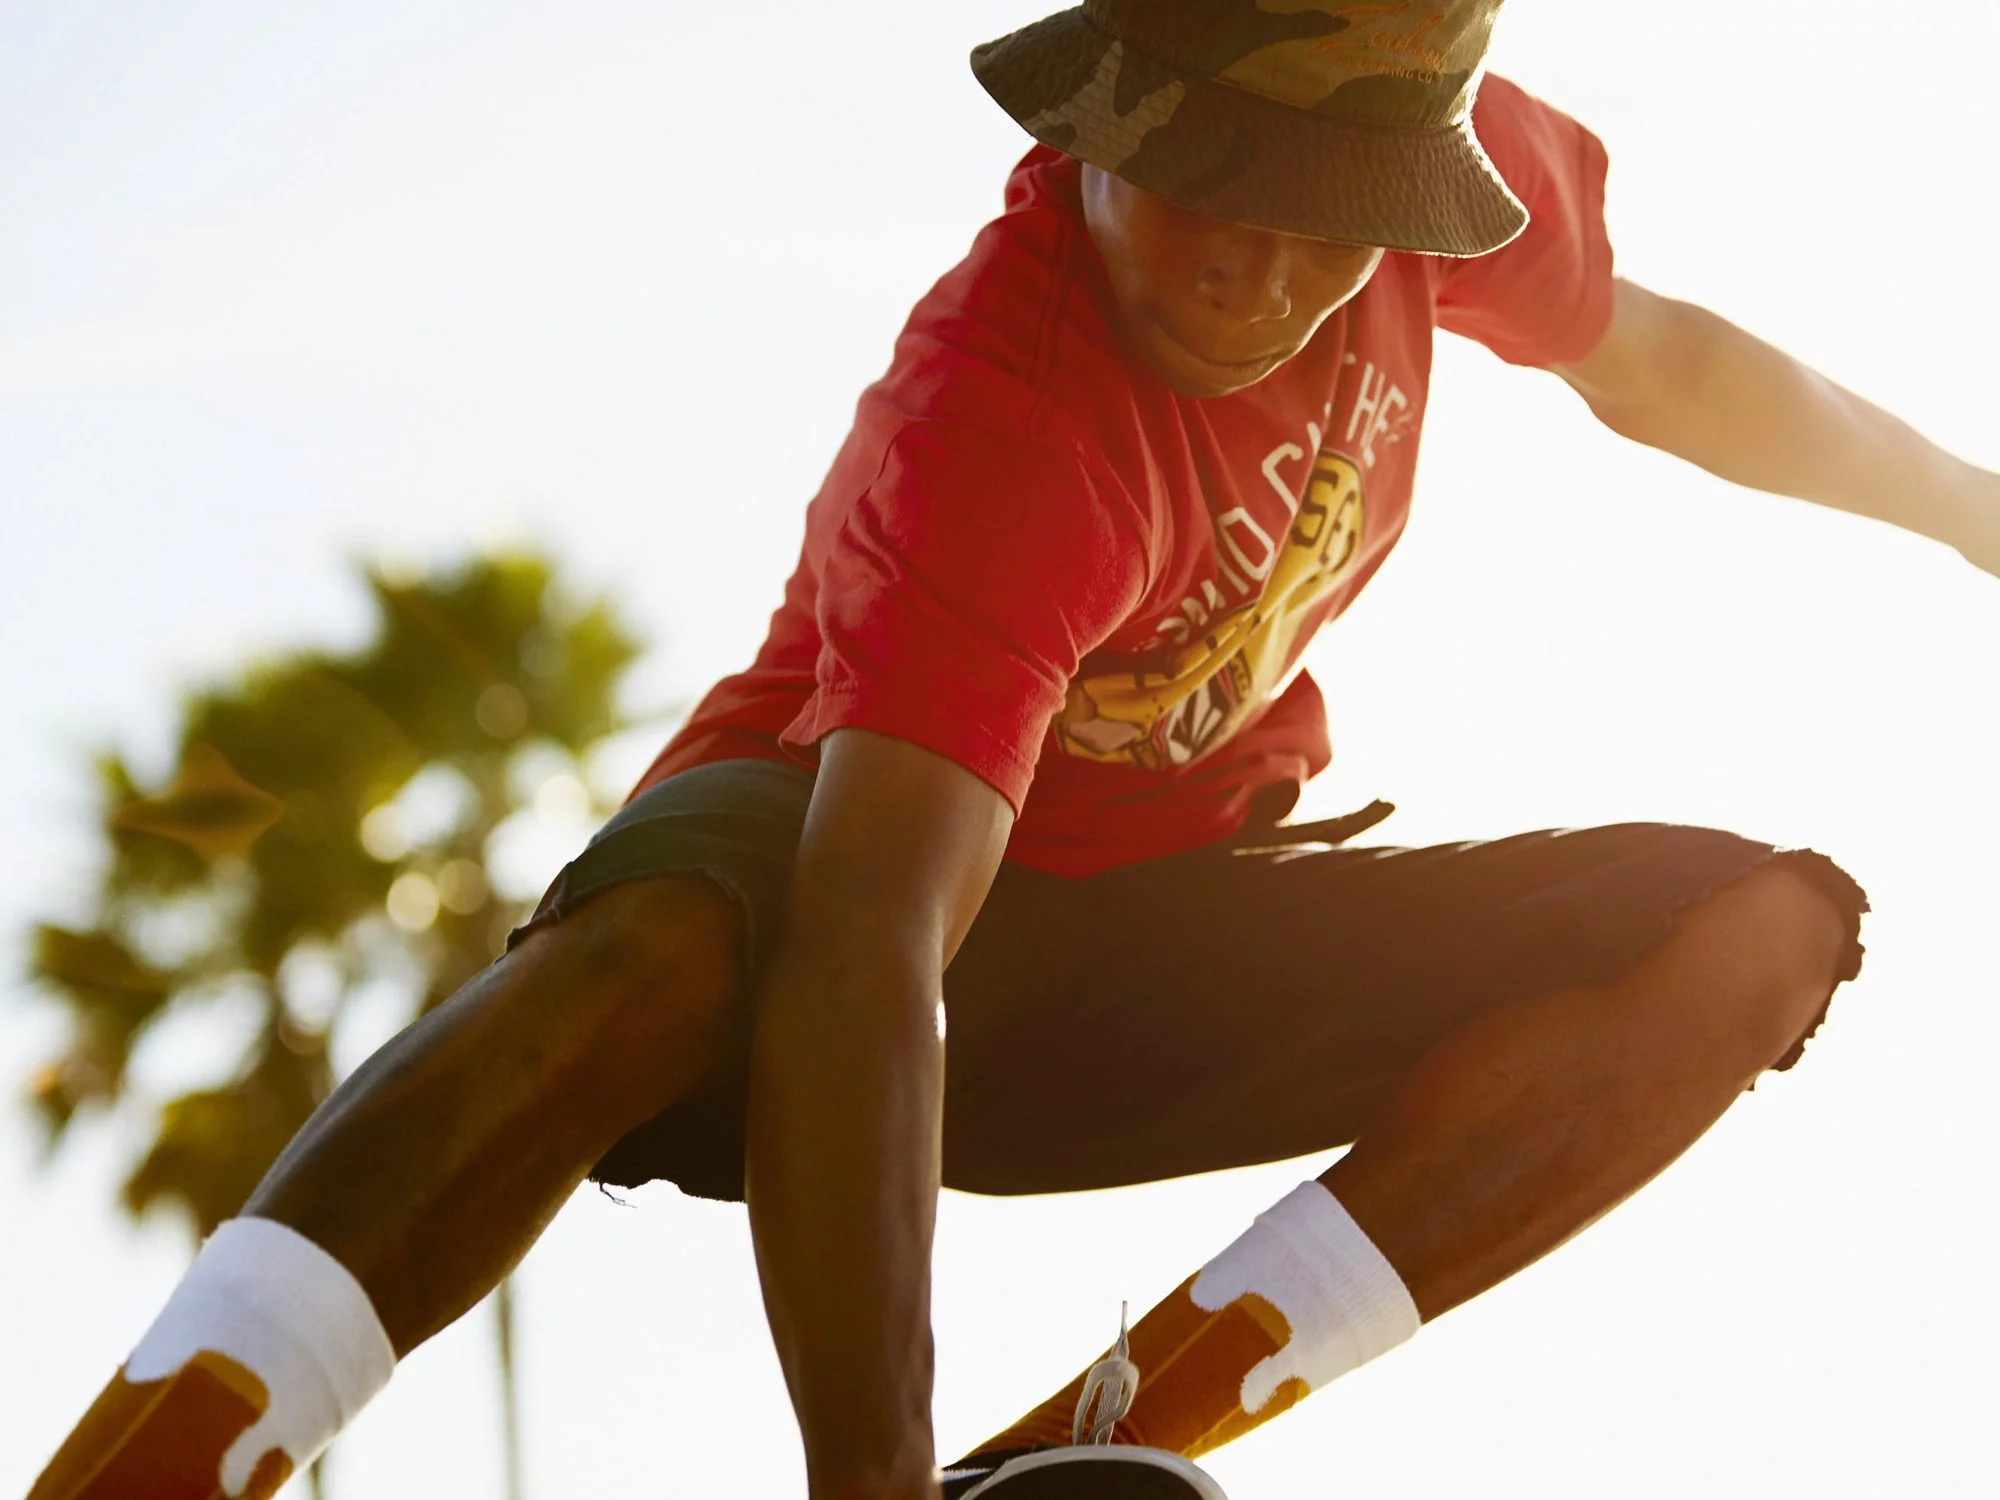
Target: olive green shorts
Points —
{"points": [[1240, 1003]]}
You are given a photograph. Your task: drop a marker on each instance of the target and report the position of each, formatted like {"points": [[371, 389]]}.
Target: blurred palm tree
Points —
{"points": [[325, 838]]}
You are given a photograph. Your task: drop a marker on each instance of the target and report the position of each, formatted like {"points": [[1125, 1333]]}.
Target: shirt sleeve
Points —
{"points": [[1545, 297], [961, 590]]}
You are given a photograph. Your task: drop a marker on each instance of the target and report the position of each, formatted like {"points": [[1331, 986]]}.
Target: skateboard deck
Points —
{"points": [[1086, 1473]]}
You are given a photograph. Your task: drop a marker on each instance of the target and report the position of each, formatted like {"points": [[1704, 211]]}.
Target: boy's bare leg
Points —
{"points": [[1527, 1125], [1514, 1133], [410, 1193], [432, 1169]]}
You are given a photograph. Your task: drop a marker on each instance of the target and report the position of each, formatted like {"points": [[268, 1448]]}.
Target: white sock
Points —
{"points": [[268, 1298], [1308, 1258]]}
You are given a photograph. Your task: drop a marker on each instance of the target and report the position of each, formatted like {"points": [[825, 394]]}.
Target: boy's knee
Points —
{"points": [[1774, 939]]}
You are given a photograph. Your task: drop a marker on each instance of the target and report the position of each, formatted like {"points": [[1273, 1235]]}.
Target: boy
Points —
{"points": [[1029, 710]]}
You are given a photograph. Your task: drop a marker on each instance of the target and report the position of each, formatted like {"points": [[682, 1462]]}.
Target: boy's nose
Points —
{"points": [[1250, 281]]}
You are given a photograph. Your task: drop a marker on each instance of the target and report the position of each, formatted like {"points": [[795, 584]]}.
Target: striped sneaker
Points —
{"points": [[1093, 1467]]}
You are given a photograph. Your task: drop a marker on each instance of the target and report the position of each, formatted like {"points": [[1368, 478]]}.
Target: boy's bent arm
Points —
{"points": [[846, 1100], [1679, 378]]}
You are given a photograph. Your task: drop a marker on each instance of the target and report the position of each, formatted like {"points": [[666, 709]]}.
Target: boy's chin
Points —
{"points": [[1183, 371]]}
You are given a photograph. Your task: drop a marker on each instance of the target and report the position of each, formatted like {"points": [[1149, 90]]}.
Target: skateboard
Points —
{"points": [[1090, 1473]]}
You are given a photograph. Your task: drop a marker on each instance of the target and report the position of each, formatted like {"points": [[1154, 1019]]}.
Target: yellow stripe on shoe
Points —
{"points": [[1299, 1299]]}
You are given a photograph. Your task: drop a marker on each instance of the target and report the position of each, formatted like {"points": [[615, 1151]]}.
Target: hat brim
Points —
{"points": [[1224, 151]]}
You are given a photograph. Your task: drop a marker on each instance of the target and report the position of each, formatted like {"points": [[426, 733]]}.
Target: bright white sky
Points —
{"points": [[280, 286]]}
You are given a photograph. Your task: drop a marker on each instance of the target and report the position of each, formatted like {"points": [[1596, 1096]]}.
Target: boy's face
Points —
{"points": [[1207, 305]]}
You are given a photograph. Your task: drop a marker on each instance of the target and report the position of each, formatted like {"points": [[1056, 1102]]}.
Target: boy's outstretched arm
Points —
{"points": [[846, 1100], [1679, 378]]}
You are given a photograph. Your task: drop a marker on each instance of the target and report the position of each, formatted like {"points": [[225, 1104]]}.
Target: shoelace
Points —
{"points": [[1108, 1391]]}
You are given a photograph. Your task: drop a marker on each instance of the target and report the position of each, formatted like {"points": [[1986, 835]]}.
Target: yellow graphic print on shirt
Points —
{"points": [[1209, 685]]}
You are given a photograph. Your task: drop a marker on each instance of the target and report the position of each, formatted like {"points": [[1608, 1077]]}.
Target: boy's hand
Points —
{"points": [[1981, 547]]}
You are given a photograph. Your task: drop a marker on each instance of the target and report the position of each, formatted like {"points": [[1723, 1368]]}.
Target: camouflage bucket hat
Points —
{"points": [[1324, 118]]}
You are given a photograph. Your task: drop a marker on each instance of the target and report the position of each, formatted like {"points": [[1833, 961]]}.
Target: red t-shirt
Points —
{"points": [[1032, 557]]}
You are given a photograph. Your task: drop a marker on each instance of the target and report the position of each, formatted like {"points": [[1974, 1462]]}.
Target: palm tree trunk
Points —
{"points": [[510, 1415]]}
